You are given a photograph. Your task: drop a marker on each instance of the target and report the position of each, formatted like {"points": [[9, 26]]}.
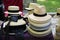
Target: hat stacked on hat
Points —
{"points": [[33, 6], [16, 23], [39, 22], [58, 24]]}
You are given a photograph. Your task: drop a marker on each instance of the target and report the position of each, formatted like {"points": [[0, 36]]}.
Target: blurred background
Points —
{"points": [[51, 5]]}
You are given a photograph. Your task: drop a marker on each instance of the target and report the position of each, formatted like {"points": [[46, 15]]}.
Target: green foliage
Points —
{"points": [[51, 5]]}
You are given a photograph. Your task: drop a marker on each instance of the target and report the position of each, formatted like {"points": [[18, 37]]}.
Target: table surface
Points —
{"points": [[27, 36]]}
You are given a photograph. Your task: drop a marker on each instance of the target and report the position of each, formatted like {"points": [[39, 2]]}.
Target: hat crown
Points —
{"points": [[32, 5], [40, 10], [13, 8]]}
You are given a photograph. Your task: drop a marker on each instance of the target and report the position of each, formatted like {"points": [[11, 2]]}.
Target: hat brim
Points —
{"points": [[13, 13], [19, 22], [39, 34]]}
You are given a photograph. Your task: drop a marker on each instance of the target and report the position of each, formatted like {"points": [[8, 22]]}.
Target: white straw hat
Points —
{"points": [[13, 10], [39, 20], [39, 34]]}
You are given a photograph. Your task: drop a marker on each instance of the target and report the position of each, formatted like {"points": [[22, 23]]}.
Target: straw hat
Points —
{"points": [[39, 20], [40, 27], [38, 34], [58, 10], [40, 10], [33, 5], [20, 23], [13, 10], [42, 16]]}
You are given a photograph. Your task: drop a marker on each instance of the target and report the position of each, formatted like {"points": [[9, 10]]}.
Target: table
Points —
{"points": [[27, 36]]}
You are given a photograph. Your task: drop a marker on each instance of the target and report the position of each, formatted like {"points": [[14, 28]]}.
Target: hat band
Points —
{"points": [[14, 11], [58, 13], [39, 30], [39, 15], [46, 27]]}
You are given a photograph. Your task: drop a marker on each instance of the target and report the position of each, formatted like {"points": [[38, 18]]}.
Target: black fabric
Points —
{"points": [[18, 30], [1, 1], [26, 20], [12, 29], [19, 35], [0, 35], [1, 31], [7, 31], [39, 15], [19, 16], [14, 18], [1, 13], [2, 28]]}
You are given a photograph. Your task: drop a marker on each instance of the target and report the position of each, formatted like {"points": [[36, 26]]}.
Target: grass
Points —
{"points": [[51, 5]]}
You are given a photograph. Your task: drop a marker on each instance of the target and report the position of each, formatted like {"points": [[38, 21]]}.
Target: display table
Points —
{"points": [[27, 36]]}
